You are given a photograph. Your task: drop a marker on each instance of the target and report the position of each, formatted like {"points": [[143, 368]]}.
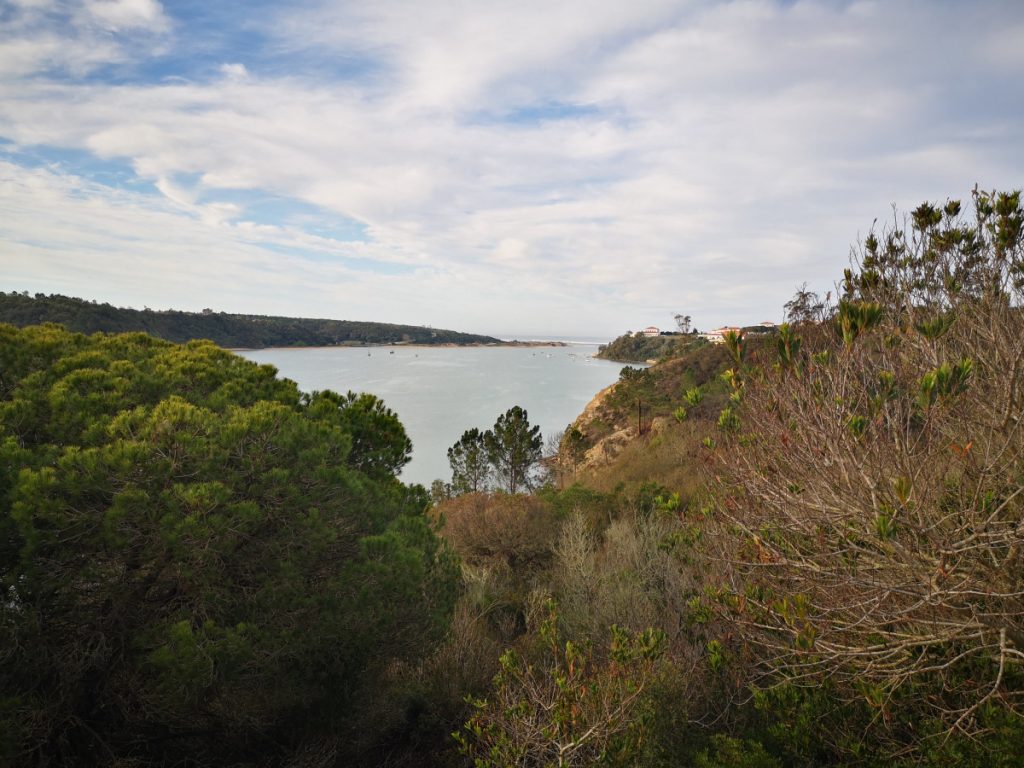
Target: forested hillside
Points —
{"points": [[237, 331]]}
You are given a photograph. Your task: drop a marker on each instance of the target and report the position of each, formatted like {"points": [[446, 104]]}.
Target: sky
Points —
{"points": [[527, 168]]}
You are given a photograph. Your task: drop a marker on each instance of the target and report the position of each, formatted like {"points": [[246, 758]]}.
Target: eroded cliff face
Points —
{"points": [[595, 403], [595, 419], [607, 432]]}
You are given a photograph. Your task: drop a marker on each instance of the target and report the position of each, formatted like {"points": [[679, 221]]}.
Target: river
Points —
{"points": [[440, 392]]}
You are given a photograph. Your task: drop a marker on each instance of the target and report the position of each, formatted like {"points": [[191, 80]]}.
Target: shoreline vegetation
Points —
{"points": [[231, 331]]}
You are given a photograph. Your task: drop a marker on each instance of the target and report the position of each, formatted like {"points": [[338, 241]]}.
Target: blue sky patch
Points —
{"points": [[264, 208], [116, 173]]}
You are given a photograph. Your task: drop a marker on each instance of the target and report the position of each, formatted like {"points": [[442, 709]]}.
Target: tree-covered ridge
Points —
{"points": [[227, 330], [637, 348], [198, 563]]}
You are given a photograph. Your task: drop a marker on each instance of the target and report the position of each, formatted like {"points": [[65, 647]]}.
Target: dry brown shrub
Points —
{"points": [[872, 493], [516, 529]]}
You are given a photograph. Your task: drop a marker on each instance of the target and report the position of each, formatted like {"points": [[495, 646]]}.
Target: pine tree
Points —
{"points": [[513, 447], [471, 469]]}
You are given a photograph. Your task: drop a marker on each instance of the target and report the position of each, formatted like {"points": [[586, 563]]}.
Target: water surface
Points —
{"points": [[440, 392]]}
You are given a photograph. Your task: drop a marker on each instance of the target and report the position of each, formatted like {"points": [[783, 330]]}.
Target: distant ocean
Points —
{"points": [[439, 392], [593, 341]]}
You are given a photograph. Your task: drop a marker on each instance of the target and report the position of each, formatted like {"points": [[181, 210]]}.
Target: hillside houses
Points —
{"points": [[717, 335]]}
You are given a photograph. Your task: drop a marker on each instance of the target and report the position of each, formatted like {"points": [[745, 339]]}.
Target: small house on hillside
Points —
{"points": [[717, 336], [650, 331]]}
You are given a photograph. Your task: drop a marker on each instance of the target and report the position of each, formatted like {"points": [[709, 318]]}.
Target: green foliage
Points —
{"points": [[570, 708], [598, 508], [728, 420], [630, 374], [945, 382], [669, 502], [734, 342], [573, 447], [380, 447], [935, 327], [657, 389], [471, 467], [196, 562], [507, 452], [855, 318], [857, 424], [513, 447], [788, 345], [633, 348], [716, 655], [694, 396], [728, 752], [885, 526]]}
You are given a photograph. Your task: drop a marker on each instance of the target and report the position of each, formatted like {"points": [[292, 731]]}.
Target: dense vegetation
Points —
{"points": [[801, 549], [197, 563], [238, 331], [637, 348]]}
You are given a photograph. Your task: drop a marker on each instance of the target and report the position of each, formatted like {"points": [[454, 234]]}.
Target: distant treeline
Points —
{"points": [[227, 330]]}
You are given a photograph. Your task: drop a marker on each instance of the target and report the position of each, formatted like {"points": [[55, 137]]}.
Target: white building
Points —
{"points": [[717, 336]]}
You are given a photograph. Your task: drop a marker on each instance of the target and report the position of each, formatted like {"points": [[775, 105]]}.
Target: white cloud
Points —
{"points": [[76, 37], [234, 71], [1005, 47], [458, 54], [119, 15], [578, 163]]}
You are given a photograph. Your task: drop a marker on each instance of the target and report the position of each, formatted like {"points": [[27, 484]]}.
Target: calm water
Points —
{"points": [[439, 393]]}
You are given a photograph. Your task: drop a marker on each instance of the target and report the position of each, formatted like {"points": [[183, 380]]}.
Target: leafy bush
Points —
{"points": [[567, 709]]}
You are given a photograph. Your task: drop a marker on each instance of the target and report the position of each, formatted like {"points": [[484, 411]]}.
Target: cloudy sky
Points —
{"points": [[535, 167]]}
